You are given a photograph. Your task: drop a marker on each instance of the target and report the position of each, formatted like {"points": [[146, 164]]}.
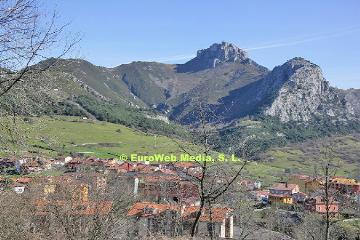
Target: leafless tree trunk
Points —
{"points": [[98, 213], [328, 193], [28, 35], [214, 180], [327, 202]]}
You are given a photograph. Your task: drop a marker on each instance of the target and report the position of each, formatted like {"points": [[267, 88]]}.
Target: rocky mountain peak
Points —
{"points": [[300, 63], [299, 91], [222, 52], [297, 71], [215, 55]]}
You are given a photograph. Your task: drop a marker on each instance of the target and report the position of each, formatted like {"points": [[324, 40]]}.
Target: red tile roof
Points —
{"points": [[139, 209], [284, 186], [126, 166], [166, 171], [144, 168], [23, 180], [185, 165], [218, 214]]}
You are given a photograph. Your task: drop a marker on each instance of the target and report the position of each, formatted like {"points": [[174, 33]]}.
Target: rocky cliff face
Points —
{"points": [[294, 91], [297, 91], [220, 53], [215, 55], [352, 97]]}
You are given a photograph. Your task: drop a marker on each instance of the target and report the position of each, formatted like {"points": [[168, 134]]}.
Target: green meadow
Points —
{"points": [[66, 135], [54, 136]]}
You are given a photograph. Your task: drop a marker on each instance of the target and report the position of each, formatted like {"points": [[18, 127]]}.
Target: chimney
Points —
{"points": [[286, 184]]}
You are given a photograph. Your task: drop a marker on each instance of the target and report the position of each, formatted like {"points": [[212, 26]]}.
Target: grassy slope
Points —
{"points": [[295, 154], [102, 139], [306, 157]]}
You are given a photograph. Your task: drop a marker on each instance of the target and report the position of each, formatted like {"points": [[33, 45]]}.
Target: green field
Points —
{"points": [[65, 135], [306, 157], [52, 136]]}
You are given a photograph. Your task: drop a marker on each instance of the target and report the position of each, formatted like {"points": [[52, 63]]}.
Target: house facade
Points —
{"points": [[282, 193], [319, 205], [345, 185]]}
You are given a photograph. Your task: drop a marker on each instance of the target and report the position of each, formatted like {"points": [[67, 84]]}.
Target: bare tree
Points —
{"points": [[88, 207], [16, 216], [216, 177], [28, 36], [328, 194]]}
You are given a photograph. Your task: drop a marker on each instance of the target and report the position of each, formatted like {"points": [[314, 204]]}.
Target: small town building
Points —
{"points": [[318, 204], [313, 185], [261, 196], [345, 185], [299, 197], [282, 193], [176, 220], [307, 184]]}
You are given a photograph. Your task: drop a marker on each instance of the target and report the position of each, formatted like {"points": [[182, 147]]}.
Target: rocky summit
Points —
{"points": [[298, 91], [216, 54]]}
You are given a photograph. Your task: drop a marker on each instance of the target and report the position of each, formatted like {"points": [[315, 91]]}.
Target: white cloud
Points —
{"points": [[312, 38]]}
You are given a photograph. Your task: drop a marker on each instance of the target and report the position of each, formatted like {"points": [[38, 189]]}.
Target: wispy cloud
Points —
{"points": [[274, 44], [311, 38]]}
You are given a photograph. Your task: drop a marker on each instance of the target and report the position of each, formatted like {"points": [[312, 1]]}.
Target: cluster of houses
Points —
{"points": [[157, 191], [165, 198], [17, 184], [28, 165], [309, 191], [73, 192]]}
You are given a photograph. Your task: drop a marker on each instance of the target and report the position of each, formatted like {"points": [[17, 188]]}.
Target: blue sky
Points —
{"points": [[327, 32]]}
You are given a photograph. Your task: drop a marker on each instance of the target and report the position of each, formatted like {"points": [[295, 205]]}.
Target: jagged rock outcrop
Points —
{"points": [[297, 91], [215, 55], [352, 97], [294, 91]]}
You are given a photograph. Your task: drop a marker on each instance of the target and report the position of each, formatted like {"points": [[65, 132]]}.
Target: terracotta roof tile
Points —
{"points": [[23, 180], [284, 186]]}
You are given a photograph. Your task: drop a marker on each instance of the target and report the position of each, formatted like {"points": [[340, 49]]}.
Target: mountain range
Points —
{"points": [[242, 101], [222, 79]]}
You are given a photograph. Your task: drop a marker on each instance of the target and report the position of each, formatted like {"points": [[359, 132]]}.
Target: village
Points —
{"points": [[164, 199]]}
